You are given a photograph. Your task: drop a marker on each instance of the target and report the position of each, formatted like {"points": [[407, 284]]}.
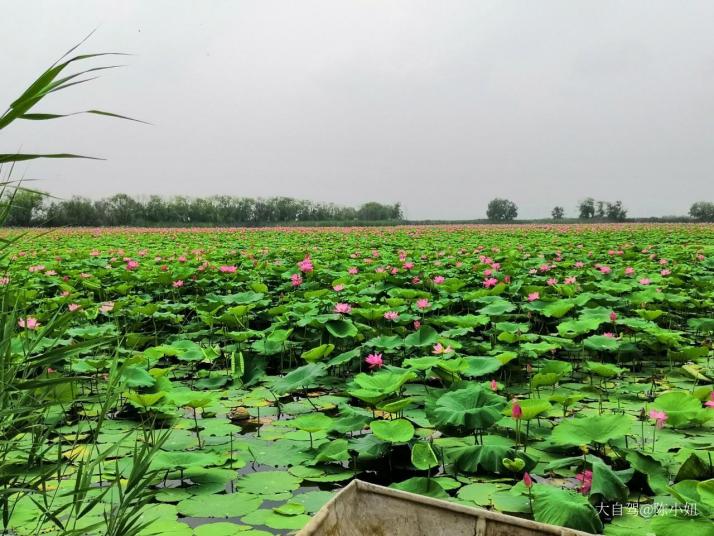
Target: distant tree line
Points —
{"points": [[28, 208], [500, 210], [702, 211], [589, 208]]}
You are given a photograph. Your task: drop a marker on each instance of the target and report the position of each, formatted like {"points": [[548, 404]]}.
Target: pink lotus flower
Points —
{"points": [[132, 265], [579, 264], [417, 324], [552, 282], [490, 282], [494, 386], [439, 349], [495, 265], [516, 410], [645, 281], [228, 269], [629, 270], [178, 283], [107, 307], [343, 308], [415, 280], [338, 288], [660, 417], [527, 480], [570, 280], [305, 265], [665, 272], [533, 296], [4, 281], [605, 269], [374, 360], [392, 316], [487, 273], [296, 280], [439, 279], [613, 316], [408, 265], [422, 303], [94, 253], [353, 271], [609, 335], [73, 307], [586, 478], [182, 259], [28, 323], [710, 403]]}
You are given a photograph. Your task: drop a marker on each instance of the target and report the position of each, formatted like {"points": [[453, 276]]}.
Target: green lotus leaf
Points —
{"points": [[605, 370], [300, 378], [531, 407], [266, 482], [312, 422], [332, 451], [682, 408], [341, 328], [564, 508], [601, 343], [183, 460], [468, 405], [134, 376], [318, 353], [423, 457], [422, 486], [275, 520], [394, 431], [312, 501], [608, 483], [591, 429], [221, 528], [424, 336], [474, 367], [233, 505]]}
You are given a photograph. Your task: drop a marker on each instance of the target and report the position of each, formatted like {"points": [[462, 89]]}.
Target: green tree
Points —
{"points": [[600, 211], [558, 213], [615, 211], [123, 210], [501, 210], [24, 207], [702, 211], [586, 208], [374, 211]]}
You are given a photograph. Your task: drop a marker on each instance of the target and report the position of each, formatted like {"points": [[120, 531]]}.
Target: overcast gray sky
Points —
{"points": [[441, 105]]}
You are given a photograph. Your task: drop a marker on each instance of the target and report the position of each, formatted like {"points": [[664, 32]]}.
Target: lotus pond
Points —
{"points": [[560, 373]]}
